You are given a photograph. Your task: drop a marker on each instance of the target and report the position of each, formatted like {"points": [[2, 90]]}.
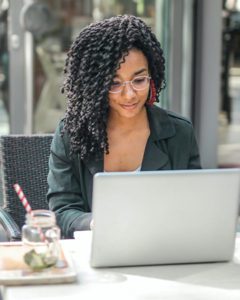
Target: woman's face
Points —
{"points": [[129, 102]]}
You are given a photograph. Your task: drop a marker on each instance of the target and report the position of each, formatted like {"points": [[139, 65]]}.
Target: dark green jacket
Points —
{"points": [[170, 146]]}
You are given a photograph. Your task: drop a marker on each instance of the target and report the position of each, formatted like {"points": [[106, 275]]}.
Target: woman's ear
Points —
{"points": [[152, 93]]}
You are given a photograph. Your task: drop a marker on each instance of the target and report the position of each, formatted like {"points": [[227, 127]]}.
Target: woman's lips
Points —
{"points": [[129, 106]]}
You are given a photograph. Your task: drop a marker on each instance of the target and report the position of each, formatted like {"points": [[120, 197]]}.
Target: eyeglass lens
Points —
{"points": [[138, 83]]}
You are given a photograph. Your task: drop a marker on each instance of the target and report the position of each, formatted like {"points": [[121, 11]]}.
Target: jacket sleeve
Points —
{"points": [[64, 194], [194, 159]]}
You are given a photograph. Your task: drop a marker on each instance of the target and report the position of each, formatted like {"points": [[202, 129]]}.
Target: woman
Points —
{"points": [[114, 72]]}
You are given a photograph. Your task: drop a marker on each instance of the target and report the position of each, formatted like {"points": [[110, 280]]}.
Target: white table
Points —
{"points": [[182, 282]]}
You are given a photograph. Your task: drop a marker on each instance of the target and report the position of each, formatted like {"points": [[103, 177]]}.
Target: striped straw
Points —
{"points": [[27, 207], [23, 199]]}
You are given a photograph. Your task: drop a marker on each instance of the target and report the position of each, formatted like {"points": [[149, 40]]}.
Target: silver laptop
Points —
{"points": [[164, 217]]}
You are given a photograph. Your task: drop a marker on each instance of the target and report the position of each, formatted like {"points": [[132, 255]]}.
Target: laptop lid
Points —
{"points": [[164, 217]]}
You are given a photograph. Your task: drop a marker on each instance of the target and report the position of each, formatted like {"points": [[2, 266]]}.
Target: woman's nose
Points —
{"points": [[128, 90]]}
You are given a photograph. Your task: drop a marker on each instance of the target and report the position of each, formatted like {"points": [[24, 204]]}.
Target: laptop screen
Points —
{"points": [[160, 217]]}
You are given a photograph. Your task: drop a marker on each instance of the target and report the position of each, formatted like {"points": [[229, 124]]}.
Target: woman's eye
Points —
{"points": [[139, 80], [116, 83]]}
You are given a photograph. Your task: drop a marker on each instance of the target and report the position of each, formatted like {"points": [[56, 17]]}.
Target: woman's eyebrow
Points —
{"points": [[135, 73], [140, 71]]}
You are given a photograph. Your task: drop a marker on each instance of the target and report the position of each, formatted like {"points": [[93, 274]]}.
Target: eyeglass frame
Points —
{"points": [[130, 81]]}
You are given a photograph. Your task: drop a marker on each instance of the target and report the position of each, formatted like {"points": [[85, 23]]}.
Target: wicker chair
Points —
{"points": [[24, 160]]}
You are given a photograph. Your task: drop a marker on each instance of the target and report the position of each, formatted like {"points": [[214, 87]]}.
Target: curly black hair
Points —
{"points": [[91, 64]]}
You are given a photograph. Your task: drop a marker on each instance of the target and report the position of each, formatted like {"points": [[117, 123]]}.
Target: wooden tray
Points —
{"points": [[14, 271]]}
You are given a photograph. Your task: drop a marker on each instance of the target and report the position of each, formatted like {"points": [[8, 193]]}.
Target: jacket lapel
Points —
{"points": [[94, 166], [156, 155]]}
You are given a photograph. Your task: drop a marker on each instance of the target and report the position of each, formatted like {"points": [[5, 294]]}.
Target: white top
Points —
{"points": [[137, 170]]}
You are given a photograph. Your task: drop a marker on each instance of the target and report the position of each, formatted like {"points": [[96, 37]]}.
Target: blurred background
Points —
{"points": [[201, 42]]}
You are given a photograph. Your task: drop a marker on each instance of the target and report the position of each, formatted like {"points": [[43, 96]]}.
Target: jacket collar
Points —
{"points": [[161, 127], [155, 154]]}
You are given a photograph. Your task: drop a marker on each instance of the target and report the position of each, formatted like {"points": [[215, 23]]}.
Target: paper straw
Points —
{"points": [[27, 207], [23, 198]]}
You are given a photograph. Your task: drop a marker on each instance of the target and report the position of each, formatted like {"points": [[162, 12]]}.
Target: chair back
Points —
{"points": [[24, 161], [1, 183]]}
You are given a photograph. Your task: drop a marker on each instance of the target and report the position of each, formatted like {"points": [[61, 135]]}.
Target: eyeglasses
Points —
{"points": [[138, 83]]}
